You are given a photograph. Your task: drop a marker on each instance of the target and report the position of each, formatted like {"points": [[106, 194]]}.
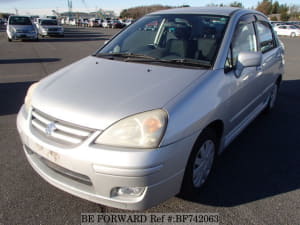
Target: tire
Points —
{"points": [[200, 164], [9, 39], [293, 34], [272, 98]]}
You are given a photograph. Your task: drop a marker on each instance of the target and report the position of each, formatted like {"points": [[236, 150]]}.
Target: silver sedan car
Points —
{"points": [[50, 27], [20, 28], [143, 118]]}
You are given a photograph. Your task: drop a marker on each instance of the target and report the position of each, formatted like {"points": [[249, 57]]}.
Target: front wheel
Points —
{"points": [[199, 164]]}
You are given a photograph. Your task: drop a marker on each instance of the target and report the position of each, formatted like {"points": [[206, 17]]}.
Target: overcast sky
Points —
{"points": [[44, 7]]}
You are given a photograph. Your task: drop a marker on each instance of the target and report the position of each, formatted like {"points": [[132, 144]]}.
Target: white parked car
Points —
{"points": [[106, 23], [128, 22], [287, 30], [72, 22]]}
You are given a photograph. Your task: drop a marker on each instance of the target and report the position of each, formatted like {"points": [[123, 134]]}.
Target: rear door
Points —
{"points": [[272, 54]]}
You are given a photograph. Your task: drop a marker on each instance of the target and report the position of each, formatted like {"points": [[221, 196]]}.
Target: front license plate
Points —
{"points": [[40, 150]]}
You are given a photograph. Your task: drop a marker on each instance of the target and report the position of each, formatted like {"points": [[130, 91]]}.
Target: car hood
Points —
{"points": [[96, 92]]}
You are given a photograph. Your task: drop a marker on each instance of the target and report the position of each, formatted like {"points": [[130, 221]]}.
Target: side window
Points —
{"points": [[244, 40], [266, 39]]}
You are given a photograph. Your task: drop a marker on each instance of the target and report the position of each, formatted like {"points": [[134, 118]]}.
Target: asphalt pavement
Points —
{"points": [[256, 181]]}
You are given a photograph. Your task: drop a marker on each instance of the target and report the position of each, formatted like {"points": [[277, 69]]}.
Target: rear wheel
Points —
{"points": [[199, 164], [293, 34]]}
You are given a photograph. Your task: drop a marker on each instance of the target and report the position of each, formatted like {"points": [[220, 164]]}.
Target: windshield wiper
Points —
{"points": [[127, 56], [133, 57], [188, 62]]}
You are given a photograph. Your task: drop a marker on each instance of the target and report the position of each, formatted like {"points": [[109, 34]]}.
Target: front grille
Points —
{"points": [[22, 31], [57, 130], [52, 29]]}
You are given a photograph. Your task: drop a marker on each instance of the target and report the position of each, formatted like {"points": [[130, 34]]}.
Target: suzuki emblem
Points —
{"points": [[50, 128]]}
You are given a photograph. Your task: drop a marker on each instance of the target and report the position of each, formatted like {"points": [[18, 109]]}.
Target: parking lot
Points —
{"points": [[256, 181]]}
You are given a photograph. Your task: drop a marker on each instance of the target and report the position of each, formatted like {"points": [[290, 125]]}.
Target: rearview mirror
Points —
{"points": [[248, 59]]}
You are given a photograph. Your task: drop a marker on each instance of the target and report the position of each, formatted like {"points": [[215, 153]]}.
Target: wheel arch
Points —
{"points": [[217, 126], [279, 79]]}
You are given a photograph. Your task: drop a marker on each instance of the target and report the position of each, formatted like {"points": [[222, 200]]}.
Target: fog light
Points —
{"points": [[127, 191]]}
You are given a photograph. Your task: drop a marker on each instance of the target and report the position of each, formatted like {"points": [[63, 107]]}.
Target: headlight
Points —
{"points": [[28, 97], [143, 130], [13, 30]]}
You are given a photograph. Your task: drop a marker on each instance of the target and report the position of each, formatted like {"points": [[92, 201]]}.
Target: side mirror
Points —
{"points": [[247, 59]]}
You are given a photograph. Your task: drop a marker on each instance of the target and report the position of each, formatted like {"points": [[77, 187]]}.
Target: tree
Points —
{"points": [[140, 11], [273, 18], [265, 7], [275, 8], [283, 8], [236, 4], [284, 16], [294, 12], [124, 14], [5, 15]]}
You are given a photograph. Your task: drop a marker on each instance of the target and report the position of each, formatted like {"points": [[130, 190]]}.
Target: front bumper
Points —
{"points": [[92, 172], [24, 36], [52, 33]]}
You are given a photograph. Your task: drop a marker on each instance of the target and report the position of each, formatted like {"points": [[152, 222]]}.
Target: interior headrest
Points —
{"points": [[182, 32]]}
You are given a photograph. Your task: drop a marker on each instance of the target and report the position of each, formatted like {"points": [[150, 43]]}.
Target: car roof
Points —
{"points": [[222, 11], [18, 16]]}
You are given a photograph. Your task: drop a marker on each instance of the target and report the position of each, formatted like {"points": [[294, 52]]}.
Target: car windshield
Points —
{"points": [[20, 21], [49, 22], [187, 39]]}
